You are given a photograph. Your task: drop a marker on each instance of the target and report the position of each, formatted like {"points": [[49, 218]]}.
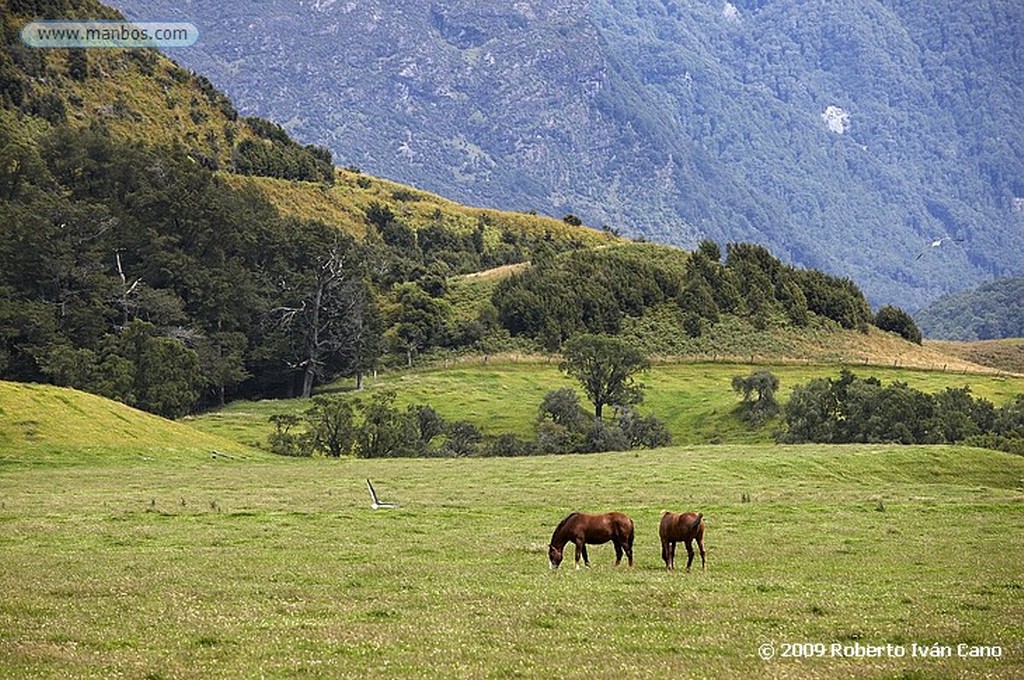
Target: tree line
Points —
{"points": [[605, 367], [851, 409], [593, 291]]}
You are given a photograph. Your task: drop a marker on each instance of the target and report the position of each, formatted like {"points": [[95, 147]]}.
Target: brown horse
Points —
{"points": [[580, 529], [681, 526]]}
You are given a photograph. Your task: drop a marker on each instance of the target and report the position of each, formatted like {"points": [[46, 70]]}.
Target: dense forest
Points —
{"points": [[990, 311], [594, 291], [134, 272]]}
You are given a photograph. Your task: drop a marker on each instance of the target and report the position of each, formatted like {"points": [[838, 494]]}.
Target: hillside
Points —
{"points": [[991, 311], [842, 137], [40, 422], [345, 203], [695, 399], [174, 268], [1005, 355]]}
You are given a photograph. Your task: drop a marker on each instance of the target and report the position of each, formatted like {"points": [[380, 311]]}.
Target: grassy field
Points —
{"points": [[136, 565], [695, 399]]}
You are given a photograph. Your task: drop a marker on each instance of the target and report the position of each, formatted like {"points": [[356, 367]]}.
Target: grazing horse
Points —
{"points": [[681, 526], [580, 529]]}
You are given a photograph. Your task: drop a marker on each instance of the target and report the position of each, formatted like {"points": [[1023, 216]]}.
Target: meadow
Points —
{"points": [[695, 399], [162, 561]]}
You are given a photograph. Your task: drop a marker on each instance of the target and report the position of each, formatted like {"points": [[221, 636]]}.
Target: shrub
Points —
{"points": [[647, 432], [508, 444], [895, 320], [282, 441], [463, 439], [756, 410]]}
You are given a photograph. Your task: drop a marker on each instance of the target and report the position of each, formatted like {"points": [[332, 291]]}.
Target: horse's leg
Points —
{"points": [[618, 550], [581, 549], [629, 548], [586, 558], [700, 544], [689, 554], [672, 555], [664, 553]]}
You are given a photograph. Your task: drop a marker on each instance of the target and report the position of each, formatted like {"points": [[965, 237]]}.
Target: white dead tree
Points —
{"points": [[327, 318]]}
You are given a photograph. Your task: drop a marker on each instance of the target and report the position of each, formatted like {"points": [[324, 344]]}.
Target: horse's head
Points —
{"points": [[554, 556]]}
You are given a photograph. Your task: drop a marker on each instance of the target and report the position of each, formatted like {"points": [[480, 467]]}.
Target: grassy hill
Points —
{"points": [[1005, 355], [695, 399], [344, 205], [45, 423]]}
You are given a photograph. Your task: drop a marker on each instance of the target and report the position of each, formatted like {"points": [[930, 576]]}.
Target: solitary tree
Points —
{"points": [[605, 366]]}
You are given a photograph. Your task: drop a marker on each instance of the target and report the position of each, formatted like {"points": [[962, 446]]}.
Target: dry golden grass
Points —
{"points": [[497, 273], [1004, 355], [142, 95], [344, 206]]}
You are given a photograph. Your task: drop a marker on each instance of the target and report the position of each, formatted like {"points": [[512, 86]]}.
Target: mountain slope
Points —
{"points": [[842, 137], [991, 311], [161, 250]]}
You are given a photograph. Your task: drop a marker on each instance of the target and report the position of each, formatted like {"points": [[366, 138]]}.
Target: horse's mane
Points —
{"points": [[562, 524]]}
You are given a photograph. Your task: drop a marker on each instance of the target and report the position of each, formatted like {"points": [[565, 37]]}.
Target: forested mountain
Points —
{"points": [[842, 136], [160, 249], [140, 261], [990, 311]]}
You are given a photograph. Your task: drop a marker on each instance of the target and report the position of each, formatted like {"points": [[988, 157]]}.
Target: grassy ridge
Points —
{"points": [[694, 399], [344, 206], [278, 567], [57, 423]]}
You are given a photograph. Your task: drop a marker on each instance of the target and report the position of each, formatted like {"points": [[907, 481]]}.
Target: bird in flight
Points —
{"points": [[936, 243], [376, 503]]}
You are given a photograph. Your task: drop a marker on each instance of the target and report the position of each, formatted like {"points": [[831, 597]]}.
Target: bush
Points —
{"points": [[895, 320], [562, 407], [508, 444], [463, 439], [331, 426], [602, 436], [555, 438], [647, 432], [282, 441], [764, 384]]}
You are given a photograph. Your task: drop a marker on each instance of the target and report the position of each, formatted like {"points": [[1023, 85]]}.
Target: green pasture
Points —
{"points": [[696, 400], [150, 563]]}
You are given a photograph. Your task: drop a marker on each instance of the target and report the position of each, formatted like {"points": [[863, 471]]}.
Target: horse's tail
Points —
{"points": [[699, 521]]}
